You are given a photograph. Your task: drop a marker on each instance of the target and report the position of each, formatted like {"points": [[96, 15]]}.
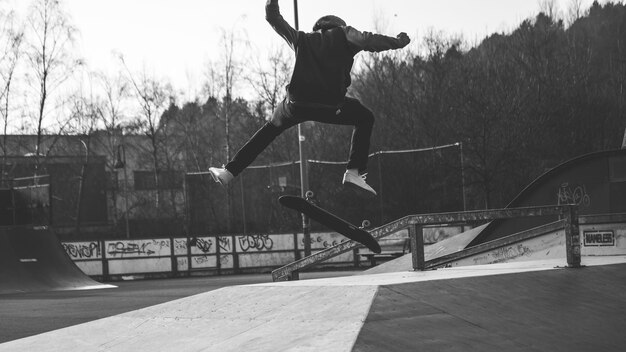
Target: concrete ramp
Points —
{"points": [[530, 306], [245, 318], [452, 252], [601, 235], [32, 259], [450, 245], [544, 310]]}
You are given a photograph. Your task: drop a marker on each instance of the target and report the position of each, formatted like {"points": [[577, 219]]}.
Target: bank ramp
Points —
{"points": [[32, 259]]}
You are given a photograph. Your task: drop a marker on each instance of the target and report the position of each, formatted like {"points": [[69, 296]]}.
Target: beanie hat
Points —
{"points": [[328, 22]]}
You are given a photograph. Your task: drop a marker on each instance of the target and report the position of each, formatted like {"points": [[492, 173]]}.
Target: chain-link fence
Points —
{"points": [[25, 201], [408, 182]]}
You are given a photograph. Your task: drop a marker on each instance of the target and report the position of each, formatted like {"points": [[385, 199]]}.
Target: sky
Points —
{"points": [[176, 39]]}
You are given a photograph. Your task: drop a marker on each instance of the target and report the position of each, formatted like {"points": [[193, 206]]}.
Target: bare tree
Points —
{"points": [[549, 7], [115, 92], [153, 98], [83, 121], [50, 39], [268, 78], [574, 11], [11, 38], [222, 77]]}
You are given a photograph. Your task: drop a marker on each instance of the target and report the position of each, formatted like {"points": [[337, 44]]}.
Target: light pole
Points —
{"points": [[81, 185], [304, 165], [121, 164], [460, 144]]}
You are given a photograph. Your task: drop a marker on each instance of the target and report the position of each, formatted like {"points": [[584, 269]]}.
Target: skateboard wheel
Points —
{"points": [[309, 194], [365, 224]]}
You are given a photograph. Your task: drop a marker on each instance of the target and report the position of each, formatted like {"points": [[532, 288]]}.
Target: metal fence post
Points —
{"points": [[572, 236], [173, 257], [417, 246], [105, 262], [235, 255], [218, 255]]}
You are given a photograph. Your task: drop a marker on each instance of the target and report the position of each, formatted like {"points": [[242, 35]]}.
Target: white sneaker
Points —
{"points": [[221, 175], [352, 178]]}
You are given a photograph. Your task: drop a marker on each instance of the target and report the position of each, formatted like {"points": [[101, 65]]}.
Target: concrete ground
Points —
{"points": [[28, 314], [522, 306]]}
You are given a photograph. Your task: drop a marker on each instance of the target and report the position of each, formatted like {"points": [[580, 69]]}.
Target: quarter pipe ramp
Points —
{"points": [[32, 259]]}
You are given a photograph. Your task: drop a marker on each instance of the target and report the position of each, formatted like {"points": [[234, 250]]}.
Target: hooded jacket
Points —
{"points": [[324, 59]]}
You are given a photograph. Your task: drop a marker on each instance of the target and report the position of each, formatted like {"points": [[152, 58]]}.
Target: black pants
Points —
{"points": [[288, 114]]}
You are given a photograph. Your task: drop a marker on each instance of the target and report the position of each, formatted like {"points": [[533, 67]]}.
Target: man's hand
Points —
{"points": [[404, 39]]}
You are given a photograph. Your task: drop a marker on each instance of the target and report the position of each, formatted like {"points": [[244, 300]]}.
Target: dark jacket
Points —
{"points": [[324, 59]]}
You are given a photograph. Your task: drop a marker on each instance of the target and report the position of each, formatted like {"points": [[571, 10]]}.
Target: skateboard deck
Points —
{"points": [[330, 220]]}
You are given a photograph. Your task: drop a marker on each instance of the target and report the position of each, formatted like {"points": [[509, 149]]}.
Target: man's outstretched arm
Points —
{"points": [[276, 20], [375, 42]]}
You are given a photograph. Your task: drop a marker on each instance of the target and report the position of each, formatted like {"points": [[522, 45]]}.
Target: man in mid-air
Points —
{"points": [[317, 91]]}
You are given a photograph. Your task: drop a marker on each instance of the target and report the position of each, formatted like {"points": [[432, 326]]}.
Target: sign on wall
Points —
{"points": [[599, 238]]}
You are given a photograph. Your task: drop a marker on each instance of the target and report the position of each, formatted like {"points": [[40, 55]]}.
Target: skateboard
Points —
{"points": [[330, 220]]}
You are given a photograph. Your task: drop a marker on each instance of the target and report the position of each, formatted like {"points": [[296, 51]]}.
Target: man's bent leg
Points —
{"points": [[363, 121], [355, 114], [249, 152], [282, 119]]}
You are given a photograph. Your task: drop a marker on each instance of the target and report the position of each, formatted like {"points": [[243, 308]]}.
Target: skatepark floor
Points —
{"points": [[27, 314], [522, 306]]}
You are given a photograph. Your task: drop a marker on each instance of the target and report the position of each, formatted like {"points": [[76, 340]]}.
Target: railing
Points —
{"points": [[568, 215], [602, 219]]}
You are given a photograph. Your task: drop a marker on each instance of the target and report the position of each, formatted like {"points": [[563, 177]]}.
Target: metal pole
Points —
{"points": [[463, 177], [304, 166], [295, 10], [126, 221], [81, 186], [243, 206], [416, 234], [572, 236], [380, 189], [121, 164]]}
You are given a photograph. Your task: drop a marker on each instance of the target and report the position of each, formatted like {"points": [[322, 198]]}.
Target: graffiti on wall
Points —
{"points": [[225, 244], [83, 250], [138, 248], [504, 254], [210, 252], [204, 244], [200, 260], [323, 241], [180, 246], [255, 242], [569, 194], [204, 262]]}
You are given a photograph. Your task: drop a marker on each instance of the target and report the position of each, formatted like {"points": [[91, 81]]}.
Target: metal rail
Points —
{"points": [[415, 223]]}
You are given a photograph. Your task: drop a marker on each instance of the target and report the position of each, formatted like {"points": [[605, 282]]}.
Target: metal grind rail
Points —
{"points": [[568, 222]]}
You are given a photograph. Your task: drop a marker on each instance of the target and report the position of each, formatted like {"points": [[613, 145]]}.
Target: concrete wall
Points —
{"points": [[596, 240], [179, 256]]}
